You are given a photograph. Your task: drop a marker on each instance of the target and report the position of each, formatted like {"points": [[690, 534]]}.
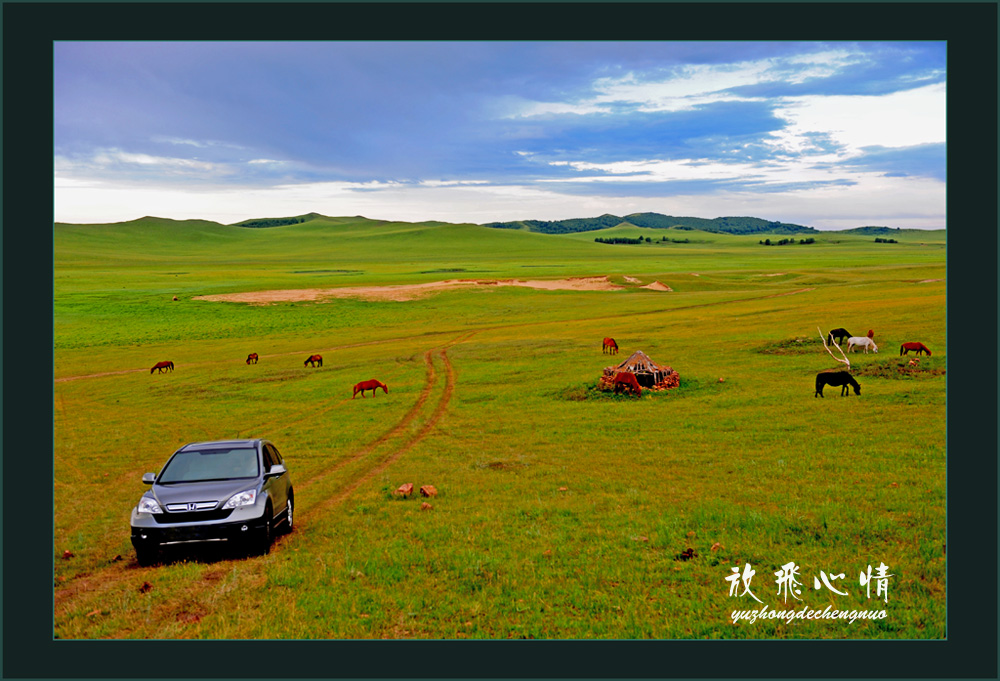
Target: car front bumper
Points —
{"points": [[243, 524]]}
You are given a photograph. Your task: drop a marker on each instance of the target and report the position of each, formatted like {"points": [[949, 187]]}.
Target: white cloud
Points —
{"points": [[179, 141], [200, 144], [687, 87], [451, 183], [793, 171], [690, 86], [899, 119], [104, 159]]}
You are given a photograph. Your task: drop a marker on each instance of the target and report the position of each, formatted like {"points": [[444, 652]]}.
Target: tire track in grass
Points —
{"points": [[394, 456], [385, 437], [399, 428]]}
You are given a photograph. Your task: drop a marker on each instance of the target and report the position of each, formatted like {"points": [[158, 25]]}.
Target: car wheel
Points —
{"points": [[267, 533], [147, 555], [289, 525]]}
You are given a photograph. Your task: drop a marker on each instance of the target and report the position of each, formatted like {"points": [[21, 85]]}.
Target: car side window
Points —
{"points": [[268, 460], [275, 454]]}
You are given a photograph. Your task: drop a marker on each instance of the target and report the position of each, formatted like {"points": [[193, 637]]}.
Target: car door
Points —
{"points": [[278, 485]]}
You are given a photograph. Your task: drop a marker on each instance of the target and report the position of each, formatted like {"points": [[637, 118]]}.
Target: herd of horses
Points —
{"points": [[625, 382], [312, 360], [844, 378]]}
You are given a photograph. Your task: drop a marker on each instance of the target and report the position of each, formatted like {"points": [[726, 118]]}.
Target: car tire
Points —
{"points": [[267, 532], [289, 525], [147, 555]]}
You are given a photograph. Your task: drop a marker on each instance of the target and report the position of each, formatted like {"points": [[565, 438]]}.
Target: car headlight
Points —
{"points": [[247, 498], [148, 505]]}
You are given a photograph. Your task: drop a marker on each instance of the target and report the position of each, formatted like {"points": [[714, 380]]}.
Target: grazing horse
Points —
{"points": [[314, 360], [610, 346], [839, 335], [372, 385], [835, 378], [905, 348], [626, 381], [861, 341], [160, 366], [252, 358]]}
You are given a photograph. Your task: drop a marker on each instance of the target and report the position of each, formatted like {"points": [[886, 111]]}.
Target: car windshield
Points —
{"points": [[210, 464]]}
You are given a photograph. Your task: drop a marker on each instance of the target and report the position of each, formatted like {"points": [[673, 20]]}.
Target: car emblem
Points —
{"points": [[192, 507]]}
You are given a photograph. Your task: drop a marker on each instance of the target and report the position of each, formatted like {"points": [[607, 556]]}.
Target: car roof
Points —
{"points": [[221, 443]]}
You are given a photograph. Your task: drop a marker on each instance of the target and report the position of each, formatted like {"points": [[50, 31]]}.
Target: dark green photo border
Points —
{"points": [[970, 30]]}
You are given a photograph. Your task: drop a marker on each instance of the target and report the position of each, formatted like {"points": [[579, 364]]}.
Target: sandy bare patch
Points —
{"points": [[657, 286], [570, 284], [407, 291], [632, 280], [928, 281], [695, 274], [775, 274]]}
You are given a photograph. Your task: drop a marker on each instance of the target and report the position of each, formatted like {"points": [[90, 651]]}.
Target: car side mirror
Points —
{"points": [[149, 478], [277, 470]]}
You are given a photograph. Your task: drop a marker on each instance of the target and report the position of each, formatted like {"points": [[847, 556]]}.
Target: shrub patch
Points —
{"points": [[792, 346], [902, 368]]}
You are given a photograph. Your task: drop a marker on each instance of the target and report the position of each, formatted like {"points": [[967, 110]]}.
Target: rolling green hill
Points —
{"points": [[728, 225], [721, 225]]}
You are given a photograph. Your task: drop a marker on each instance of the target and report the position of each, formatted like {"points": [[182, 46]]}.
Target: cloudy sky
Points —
{"points": [[831, 135]]}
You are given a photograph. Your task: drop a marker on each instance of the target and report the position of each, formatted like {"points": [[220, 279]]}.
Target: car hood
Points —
{"points": [[216, 490]]}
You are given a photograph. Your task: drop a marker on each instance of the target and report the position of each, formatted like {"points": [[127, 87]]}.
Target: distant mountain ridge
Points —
{"points": [[726, 225], [723, 225]]}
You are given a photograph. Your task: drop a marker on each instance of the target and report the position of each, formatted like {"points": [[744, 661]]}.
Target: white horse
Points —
{"points": [[861, 341]]}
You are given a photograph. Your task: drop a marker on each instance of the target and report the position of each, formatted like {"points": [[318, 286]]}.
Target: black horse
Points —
{"points": [[841, 378], [840, 335]]}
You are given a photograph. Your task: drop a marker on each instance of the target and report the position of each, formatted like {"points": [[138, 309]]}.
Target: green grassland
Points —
{"points": [[563, 512]]}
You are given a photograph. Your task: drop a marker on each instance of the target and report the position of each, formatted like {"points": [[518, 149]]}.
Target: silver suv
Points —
{"points": [[236, 491]]}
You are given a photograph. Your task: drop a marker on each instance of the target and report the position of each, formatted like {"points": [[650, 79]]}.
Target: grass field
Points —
{"points": [[562, 512]]}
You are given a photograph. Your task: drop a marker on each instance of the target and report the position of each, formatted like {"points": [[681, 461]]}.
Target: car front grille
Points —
{"points": [[198, 506], [192, 517]]}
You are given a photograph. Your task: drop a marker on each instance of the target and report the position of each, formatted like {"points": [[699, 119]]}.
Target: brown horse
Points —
{"points": [[372, 385], [835, 378], [610, 346], [871, 334], [160, 366], [905, 348], [626, 381], [314, 360], [252, 358]]}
